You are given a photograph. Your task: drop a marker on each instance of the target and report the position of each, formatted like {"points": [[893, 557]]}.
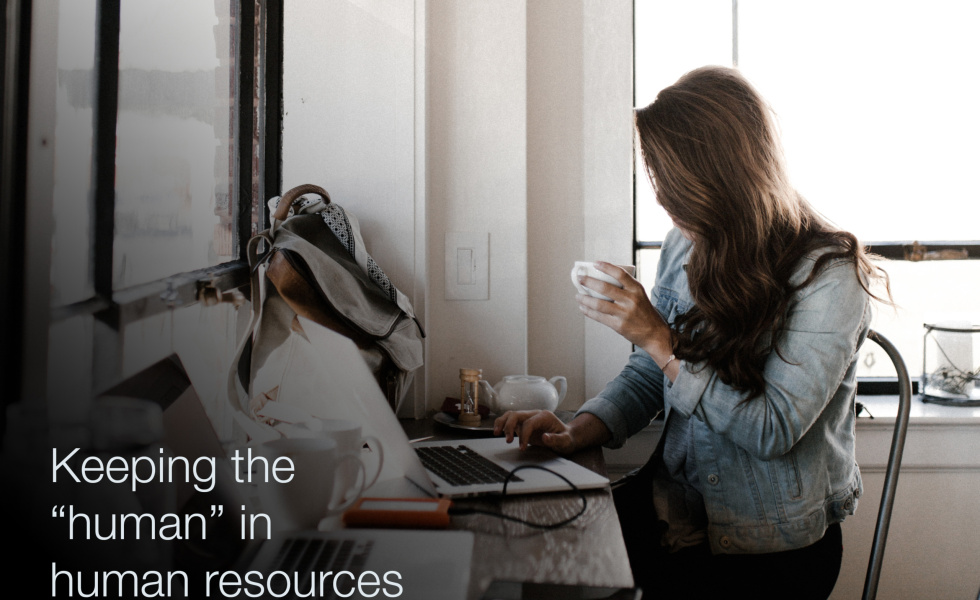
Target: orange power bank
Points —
{"points": [[403, 513]]}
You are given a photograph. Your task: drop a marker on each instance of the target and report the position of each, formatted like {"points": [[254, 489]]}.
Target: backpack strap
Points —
{"points": [[239, 372]]}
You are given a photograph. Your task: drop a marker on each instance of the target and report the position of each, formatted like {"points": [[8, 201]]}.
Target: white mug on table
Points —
{"points": [[318, 486], [347, 435], [349, 440]]}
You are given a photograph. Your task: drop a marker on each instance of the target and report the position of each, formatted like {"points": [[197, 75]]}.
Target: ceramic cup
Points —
{"points": [[587, 268], [317, 488], [347, 435]]}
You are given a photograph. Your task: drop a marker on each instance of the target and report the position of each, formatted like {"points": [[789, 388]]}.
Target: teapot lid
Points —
{"points": [[524, 378]]}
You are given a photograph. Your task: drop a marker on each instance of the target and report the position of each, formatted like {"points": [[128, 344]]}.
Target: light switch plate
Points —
{"points": [[467, 265]]}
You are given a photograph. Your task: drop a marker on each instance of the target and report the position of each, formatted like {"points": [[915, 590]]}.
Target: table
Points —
{"points": [[589, 551]]}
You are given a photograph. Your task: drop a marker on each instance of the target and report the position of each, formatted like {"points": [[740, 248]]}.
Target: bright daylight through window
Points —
{"points": [[876, 102]]}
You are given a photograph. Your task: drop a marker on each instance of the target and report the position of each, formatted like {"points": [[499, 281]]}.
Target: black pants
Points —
{"points": [[805, 573]]}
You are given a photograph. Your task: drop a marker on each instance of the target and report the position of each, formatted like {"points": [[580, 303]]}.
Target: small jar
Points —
{"points": [[951, 364]]}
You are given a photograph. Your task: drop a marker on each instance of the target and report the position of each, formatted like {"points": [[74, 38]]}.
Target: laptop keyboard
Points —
{"points": [[461, 466], [312, 555]]}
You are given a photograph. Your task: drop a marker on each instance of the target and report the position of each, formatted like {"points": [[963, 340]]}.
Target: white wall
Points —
{"points": [[607, 163], [349, 122], [526, 114], [579, 180], [476, 153], [349, 110], [530, 125], [556, 192]]}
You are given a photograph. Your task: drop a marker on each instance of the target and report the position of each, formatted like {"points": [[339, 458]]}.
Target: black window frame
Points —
{"points": [[16, 42], [259, 62]]}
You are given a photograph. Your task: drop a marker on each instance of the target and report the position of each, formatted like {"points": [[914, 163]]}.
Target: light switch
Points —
{"points": [[464, 266], [467, 266]]}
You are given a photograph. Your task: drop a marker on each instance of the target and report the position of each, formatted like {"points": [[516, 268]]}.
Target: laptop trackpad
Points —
{"points": [[516, 456]]}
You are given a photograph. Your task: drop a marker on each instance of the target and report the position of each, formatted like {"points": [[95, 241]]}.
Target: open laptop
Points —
{"points": [[408, 564], [341, 386]]}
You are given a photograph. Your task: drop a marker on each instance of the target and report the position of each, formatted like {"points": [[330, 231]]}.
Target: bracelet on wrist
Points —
{"points": [[669, 360]]}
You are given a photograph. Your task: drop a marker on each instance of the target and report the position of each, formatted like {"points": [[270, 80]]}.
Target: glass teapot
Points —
{"points": [[525, 392]]}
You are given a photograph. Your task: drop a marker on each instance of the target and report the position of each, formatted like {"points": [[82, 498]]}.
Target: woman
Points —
{"points": [[748, 342]]}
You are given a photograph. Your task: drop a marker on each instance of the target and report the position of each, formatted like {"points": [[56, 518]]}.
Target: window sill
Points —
{"points": [[211, 285], [884, 408]]}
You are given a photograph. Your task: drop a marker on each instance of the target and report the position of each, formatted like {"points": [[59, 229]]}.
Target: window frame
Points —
{"points": [[904, 250], [258, 113], [16, 43]]}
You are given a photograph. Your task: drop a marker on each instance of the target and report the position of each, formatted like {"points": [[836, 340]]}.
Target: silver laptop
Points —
{"points": [[414, 565], [408, 564], [455, 468], [481, 466]]}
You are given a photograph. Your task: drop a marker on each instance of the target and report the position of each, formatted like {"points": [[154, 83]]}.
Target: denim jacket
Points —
{"points": [[778, 469]]}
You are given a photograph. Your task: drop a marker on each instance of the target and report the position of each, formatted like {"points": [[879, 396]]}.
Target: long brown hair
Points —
{"points": [[711, 151]]}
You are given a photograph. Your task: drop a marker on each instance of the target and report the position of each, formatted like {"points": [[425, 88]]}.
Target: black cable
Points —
{"points": [[470, 511]]}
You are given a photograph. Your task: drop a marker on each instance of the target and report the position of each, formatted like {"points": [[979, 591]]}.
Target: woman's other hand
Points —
{"points": [[535, 427], [543, 428]]}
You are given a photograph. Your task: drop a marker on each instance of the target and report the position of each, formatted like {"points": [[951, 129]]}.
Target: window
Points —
{"points": [[164, 134], [877, 109]]}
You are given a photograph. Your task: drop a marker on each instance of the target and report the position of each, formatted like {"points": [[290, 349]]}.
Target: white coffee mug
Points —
{"points": [[349, 440], [587, 269], [317, 488]]}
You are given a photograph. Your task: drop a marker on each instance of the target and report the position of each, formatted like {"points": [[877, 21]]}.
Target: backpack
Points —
{"points": [[312, 262]]}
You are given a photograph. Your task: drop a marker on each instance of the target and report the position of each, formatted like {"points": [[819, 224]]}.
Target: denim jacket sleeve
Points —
{"points": [[827, 322], [630, 401]]}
